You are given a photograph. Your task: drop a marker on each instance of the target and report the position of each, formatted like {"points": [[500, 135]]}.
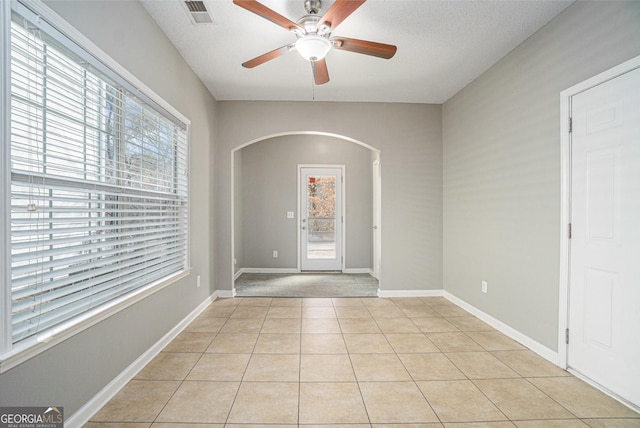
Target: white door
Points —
{"points": [[321, 218], [604, 287]]}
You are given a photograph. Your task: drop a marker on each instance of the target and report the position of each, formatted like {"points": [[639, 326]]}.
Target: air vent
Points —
{"points": [[198, 12]]}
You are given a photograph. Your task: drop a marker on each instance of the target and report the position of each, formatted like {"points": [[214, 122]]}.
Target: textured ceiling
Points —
{"points": [[442, 46]]}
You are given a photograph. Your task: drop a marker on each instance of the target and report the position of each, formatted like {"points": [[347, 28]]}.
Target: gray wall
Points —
{"points": [[270, 189], [409, 138], [501, 138], [72, 372]]}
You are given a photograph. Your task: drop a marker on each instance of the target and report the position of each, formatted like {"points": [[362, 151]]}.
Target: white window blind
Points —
{"points": [[99, 184]]}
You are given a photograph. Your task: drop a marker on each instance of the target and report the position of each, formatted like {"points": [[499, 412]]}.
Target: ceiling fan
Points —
{"points": [[313, 34]]}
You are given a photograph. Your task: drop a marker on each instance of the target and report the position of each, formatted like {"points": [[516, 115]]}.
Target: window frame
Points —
{"points": [[12, 355]]}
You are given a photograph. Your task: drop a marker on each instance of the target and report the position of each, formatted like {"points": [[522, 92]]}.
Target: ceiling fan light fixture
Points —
{"points": [[313, 47]]}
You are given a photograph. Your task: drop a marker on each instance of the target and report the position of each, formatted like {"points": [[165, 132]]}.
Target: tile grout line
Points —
{"points": [[471, 380], [300, 368], [550, 397], [364, 404], [185, 377], [235, 397], [484, 349], [413, 380]]}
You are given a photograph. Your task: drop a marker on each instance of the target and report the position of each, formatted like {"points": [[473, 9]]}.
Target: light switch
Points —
{"points": [[289, 214]]}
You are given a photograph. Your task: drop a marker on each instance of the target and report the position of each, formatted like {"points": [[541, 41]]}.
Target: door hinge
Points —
{"points": [[566, 336], [570, 125], [569, 230]]}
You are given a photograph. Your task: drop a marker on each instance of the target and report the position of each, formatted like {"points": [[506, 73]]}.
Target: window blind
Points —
{"points": [[99, 185]]}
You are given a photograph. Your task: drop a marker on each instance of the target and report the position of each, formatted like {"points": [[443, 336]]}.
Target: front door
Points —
{"points": [[321, 219], [604, 285]]}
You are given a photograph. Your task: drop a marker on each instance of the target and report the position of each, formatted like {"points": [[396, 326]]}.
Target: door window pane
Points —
{"points": [[321, 214]]}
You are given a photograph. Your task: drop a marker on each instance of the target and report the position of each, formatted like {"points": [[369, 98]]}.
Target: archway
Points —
{"points": [[239, 189]]}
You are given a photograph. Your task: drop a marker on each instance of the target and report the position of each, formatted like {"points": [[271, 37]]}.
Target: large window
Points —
{"points": [[98, 184]]}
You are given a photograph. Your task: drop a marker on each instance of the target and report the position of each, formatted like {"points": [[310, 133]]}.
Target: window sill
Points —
{"points": [[56, 335]]}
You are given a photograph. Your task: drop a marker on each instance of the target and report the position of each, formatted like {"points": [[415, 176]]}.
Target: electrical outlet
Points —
{"points": [[198, 281], [275, 254], [289, 214], [484, 286]]}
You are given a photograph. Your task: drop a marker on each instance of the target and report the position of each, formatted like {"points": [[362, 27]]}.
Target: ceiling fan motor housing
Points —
{"points": [[309, 23], [312, 6]]}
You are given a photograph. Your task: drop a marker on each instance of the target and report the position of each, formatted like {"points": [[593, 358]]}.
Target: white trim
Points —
{"points": [[298, 226], [325, 134], [234, 274], [5, 176], [91, 407], [565, 218], [294, 270], [268, 270], [410, 293], [226, 294], [514, 334], [343, 211], [565, 193], [376, 185], [49, 338], [511, 332], [358, 270]]}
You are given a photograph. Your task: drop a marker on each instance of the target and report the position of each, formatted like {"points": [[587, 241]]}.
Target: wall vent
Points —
{"points": [[198, 12]]}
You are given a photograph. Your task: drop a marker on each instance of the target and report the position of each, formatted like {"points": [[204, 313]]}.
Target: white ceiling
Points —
{"points": [[442, 46]]}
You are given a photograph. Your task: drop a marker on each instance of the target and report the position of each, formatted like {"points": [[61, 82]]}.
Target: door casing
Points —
{"points": [[565, 201], [343, 235]]}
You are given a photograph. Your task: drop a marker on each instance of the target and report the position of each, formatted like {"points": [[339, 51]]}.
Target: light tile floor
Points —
{"points": [[411, 362]]}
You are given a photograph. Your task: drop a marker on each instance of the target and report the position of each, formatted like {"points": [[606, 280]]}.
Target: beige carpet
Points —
{"points": [[306, 285]]}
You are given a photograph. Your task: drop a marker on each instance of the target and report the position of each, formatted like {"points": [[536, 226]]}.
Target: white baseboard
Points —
{"points": [[538, 348], [267, 270], [358, 270], [91, 407], [410, 293], [226, 294], [293, 270]]}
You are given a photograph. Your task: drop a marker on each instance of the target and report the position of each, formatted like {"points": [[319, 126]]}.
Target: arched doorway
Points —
{"points": [[265, 201]]}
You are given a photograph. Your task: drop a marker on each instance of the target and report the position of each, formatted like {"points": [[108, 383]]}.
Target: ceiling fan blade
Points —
{"points": [[269, 14], [338, 12], [268, 56], [365, 47], [320, 71]]}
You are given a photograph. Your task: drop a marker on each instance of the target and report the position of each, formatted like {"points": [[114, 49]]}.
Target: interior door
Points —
{"points": [[604, 285], [321, 219]]}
